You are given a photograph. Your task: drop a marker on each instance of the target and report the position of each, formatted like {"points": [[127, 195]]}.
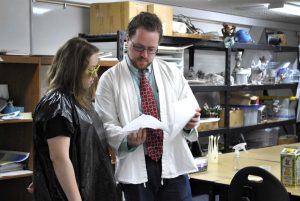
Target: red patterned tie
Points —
{"points": [[154, 139]]}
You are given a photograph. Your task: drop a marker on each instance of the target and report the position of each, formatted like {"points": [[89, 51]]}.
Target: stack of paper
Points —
{"points": [[12, 160]]}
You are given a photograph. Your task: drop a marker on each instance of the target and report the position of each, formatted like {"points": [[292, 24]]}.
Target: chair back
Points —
{"points": [[261, 185]]}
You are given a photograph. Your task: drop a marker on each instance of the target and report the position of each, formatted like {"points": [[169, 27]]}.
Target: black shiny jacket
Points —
{"points": [[88, 151]]}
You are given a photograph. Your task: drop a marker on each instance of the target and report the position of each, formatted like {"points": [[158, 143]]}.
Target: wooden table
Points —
{"points": [[267, 153], [221, 173]]}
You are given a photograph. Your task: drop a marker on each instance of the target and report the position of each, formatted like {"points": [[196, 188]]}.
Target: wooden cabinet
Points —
{"points": [[21, 73]]}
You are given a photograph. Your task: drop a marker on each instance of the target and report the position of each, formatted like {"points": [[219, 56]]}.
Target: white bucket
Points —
{"points": [[241, 78]]}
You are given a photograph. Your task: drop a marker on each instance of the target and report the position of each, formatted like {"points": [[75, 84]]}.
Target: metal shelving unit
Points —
{"points": [[109, 37], [226, 89]]}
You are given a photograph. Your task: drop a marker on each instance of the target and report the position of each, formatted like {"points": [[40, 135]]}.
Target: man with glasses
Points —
{"points": [[151, 164]]}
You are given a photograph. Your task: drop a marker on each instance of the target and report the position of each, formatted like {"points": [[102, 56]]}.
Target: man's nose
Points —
{"points": [[144, 53]]}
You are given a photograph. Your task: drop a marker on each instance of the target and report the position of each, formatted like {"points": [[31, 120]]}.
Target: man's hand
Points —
{"points": [[194, 120], [136, 139]]}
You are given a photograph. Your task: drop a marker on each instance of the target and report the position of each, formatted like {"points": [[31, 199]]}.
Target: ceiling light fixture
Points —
{"points": [[285, 8], [39, 11]]}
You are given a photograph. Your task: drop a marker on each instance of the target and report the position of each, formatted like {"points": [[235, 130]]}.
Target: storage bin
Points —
{"points": [[9, 109], [262, 137], [250, 114], [243, 115], [279, 107], [241, 78]]}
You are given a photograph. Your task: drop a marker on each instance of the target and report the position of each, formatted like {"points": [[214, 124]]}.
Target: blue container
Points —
{"points": [[242, 36], [9, 109]]}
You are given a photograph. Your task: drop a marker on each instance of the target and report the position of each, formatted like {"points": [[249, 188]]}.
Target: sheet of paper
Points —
{"points": [[9, 116], [183, 111], [15, 173], [144, 121]]}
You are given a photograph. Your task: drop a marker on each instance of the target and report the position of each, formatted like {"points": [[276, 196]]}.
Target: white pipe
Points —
{"points": [[65, 4]]}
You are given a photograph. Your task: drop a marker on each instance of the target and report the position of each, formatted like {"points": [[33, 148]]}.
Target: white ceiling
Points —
{"points": [[246, 8]]}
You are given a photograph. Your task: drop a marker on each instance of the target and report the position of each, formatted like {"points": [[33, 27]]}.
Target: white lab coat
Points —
{"points": [[117, 104]]}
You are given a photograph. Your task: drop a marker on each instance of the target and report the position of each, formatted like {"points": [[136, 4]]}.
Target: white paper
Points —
{"points": [[183, 111], [144, 121], [15, 173], [10, 116]]}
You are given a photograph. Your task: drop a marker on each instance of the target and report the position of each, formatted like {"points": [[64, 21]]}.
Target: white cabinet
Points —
{"points": [[171, 54]]}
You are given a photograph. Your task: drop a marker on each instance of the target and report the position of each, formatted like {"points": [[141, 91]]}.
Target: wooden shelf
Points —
{"points": [[14, 121], [107, 63], [22, 75], [225, 130], [16, 59], [206, 88]]}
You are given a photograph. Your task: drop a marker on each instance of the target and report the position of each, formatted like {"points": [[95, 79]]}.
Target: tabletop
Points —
{"points": [[267, 158]]}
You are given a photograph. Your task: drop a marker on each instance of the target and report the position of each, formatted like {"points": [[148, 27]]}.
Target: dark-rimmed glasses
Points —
{"points": [[141, 48], [93, 70]]}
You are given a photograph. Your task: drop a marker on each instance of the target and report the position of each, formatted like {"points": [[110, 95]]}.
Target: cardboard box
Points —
{"points": [[287, 139], [208, 124], [242, 99], [113, 17], [276, 39], [290, 166], [236, 118], [165, 14]]}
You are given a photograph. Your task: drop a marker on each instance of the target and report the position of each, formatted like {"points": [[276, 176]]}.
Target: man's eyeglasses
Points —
{"points": [[141, 48], [93, 70]]}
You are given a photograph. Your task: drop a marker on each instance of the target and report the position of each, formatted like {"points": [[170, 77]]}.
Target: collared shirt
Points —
{"points": [[135, 74]]}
